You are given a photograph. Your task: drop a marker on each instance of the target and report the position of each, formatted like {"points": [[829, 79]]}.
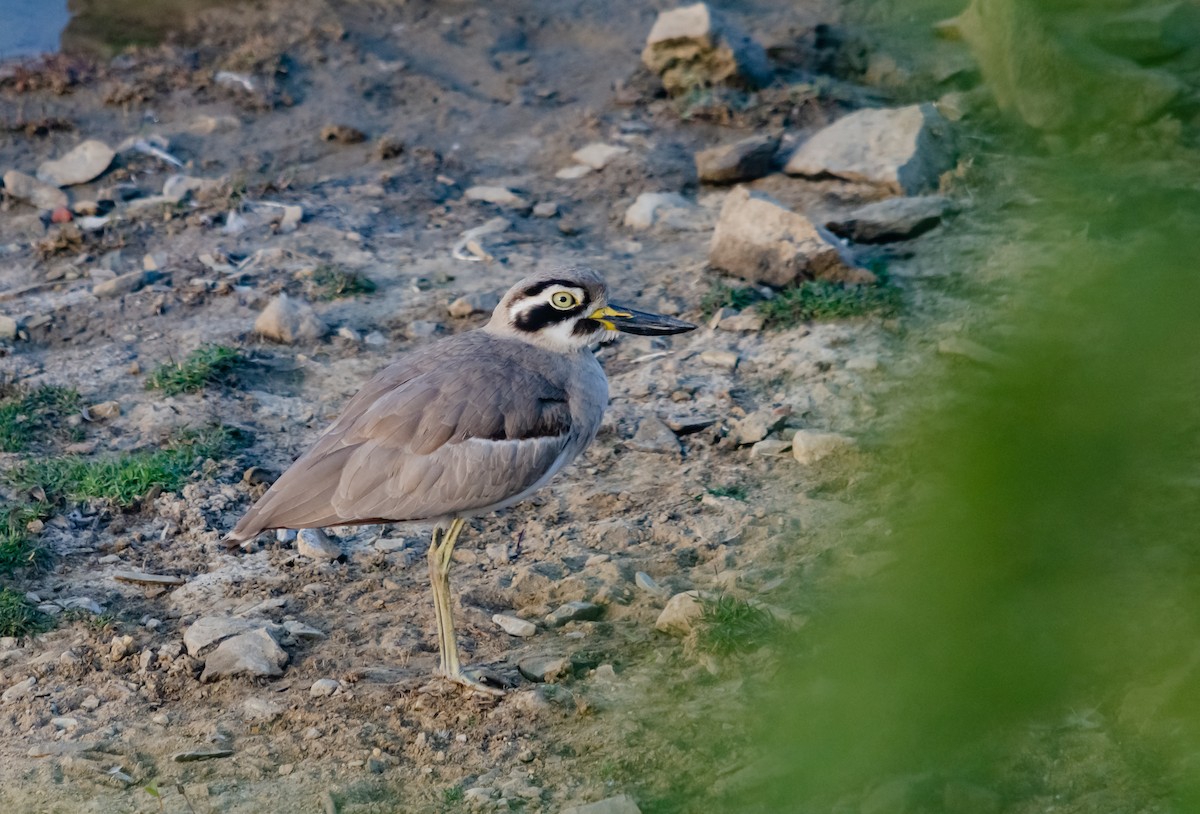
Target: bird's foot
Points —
{"points": [[473, 680]]}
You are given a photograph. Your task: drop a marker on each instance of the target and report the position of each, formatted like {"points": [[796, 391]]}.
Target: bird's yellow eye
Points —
{"points": [[562, 300]]}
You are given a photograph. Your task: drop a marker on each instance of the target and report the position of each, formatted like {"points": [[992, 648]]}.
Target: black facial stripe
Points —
{"points": [[541, 316], [538, 288], [586, 327]]}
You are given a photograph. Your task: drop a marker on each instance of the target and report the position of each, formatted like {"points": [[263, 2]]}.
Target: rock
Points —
{"points": [[647, 583], [668, 209], [756, 426], [723, 359], [288, 321], [255, 653], [691, 47], [680, 615], [500, 196], [1052, 82], [892, 219], [342, 134], [748, 321], [316, 545], [64, 723], [19, 690], [621, 804], [299, 630], [61, 215], [810, 446], [514, 626], [653, 435], [903, 149], [29, 189], [743, 160], [573, 172], [597, 155], [125, 284], [574, 611], [120, 647], [543, 668], [209, 630], [479, 303], [80, 165], [102, 410], [83, 603], [8, 327], [760, 240], [545, 209], [770, 448], [289, 221], [324, 687]]}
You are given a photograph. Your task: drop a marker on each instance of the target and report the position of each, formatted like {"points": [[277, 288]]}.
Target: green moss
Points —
{"points": [[208, 364], [126, 478], [735, 492], [730, 625], [333, 283], [819, 300], [17, 616], [24, 415]]}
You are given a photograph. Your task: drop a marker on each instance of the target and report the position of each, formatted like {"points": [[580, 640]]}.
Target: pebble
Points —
{"points": [[514, 626], [810, 446], [680, 614], [757, 425], [288, 320], [621, 804], [545, 209], [770, 448], [653, 435], [723, 359], [903, 150], [82, 164], [102, 410], [342, 134], [543, 668], [255, 653], [761, 240], [120, 647], [500, 196], [573, 172], [290, 220], [19, 690], [91, 703], [574, 611], [324, 687], [8, 327], [647, 583], [29, 189], [669, 210], [743, 160], [598, 155], [124, 284], [317, 545], [479, 303]]}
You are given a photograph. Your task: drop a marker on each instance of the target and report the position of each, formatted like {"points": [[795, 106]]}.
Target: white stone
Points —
{"points": [[255, 653], [208, 630], [514, 626], [29, 189], [668, 209], [902, 149], [573, 172], [324, 687], [317, 545], [679, 616], [597, 155], [500, 196], [289, 320], [80, 165]]}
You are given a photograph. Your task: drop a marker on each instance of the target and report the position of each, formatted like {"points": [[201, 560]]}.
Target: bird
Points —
{"points": [[461, 427]]}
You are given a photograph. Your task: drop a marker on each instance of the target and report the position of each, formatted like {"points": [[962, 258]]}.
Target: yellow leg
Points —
{"points": [[441, 548]]}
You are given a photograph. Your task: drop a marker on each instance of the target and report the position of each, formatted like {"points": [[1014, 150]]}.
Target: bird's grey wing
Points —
{"points": [[446, 439]]}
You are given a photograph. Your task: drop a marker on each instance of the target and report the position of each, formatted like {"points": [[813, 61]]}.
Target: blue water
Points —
{"points": [[31, 27]]}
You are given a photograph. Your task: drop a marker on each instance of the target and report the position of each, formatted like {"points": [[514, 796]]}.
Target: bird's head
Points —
{"points": [[568, 309]]}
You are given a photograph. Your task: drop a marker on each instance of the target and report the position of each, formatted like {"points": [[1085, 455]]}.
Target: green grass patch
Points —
{"points": [[17, 616], [208, 364], [333, 283], [126, 478], [820, 300], [18, 546], [729, 625], [24, 415], [722, 295], [735, 492]]}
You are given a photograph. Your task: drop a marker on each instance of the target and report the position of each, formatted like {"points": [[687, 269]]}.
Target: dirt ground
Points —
{"points": [[466, 94]]}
